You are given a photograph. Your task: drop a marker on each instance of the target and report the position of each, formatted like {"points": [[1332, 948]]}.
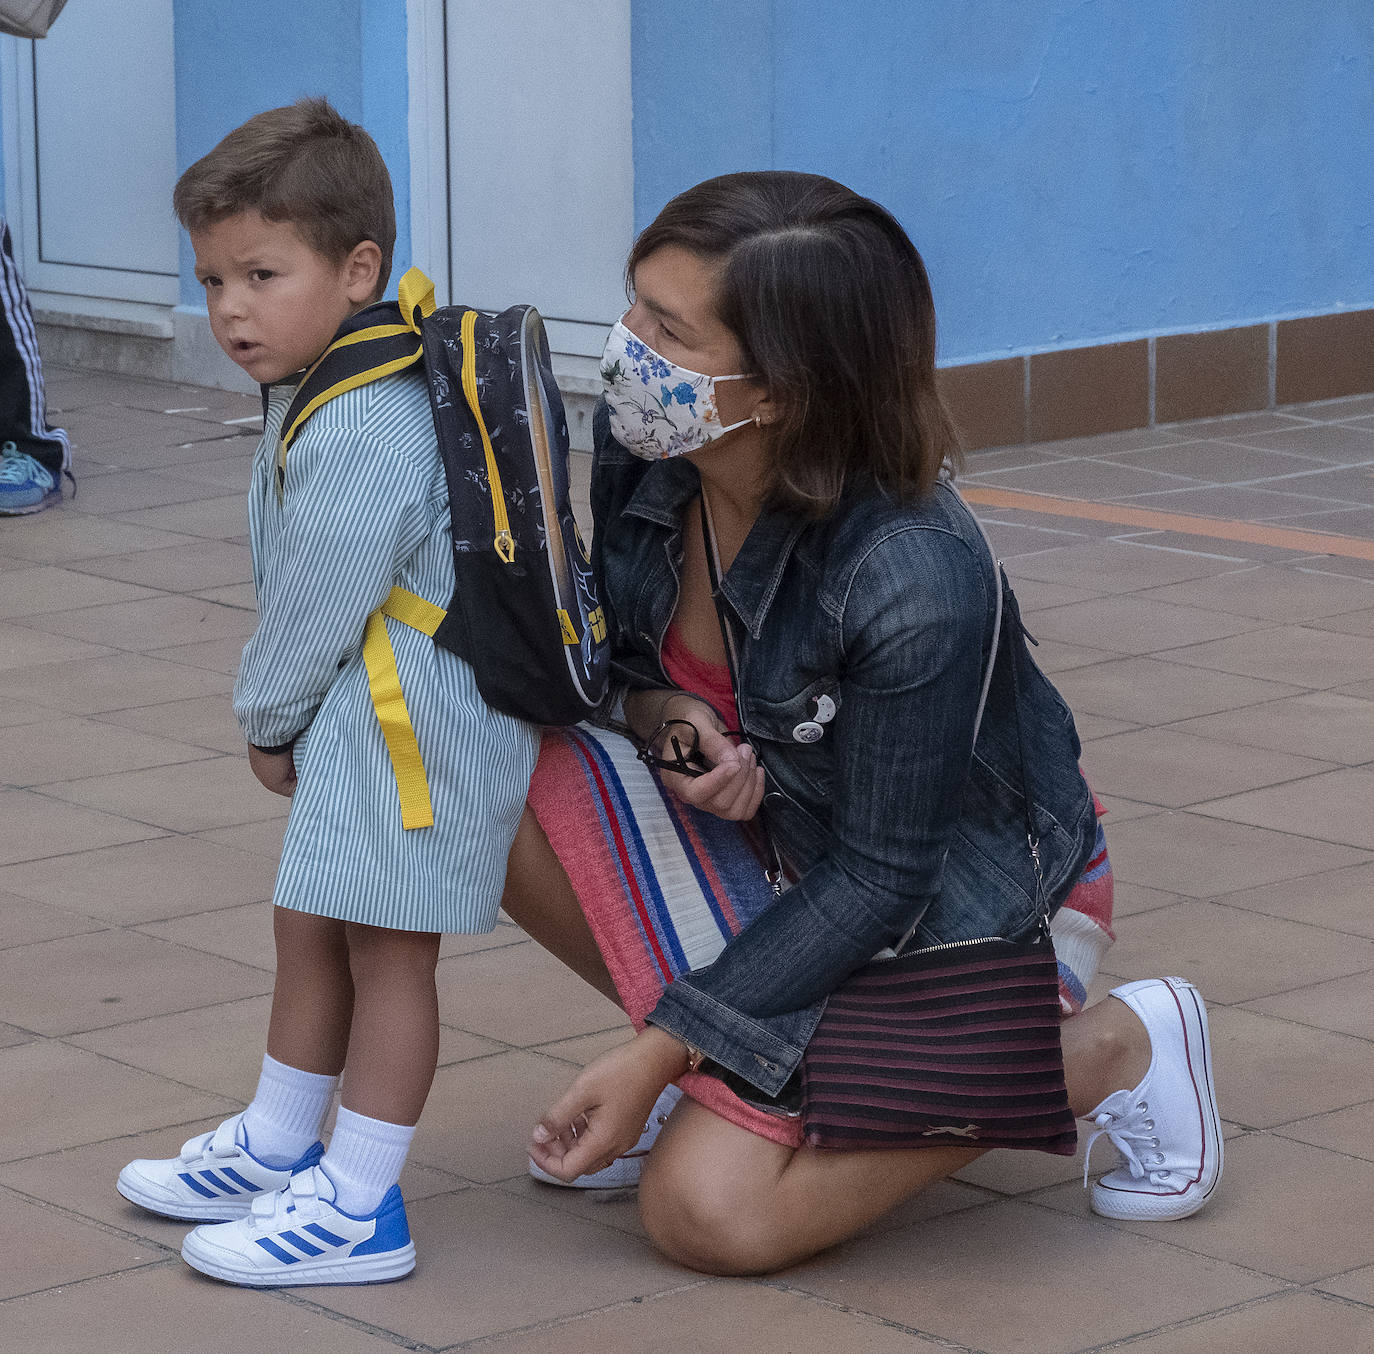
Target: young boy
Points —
{"points": [[292, 221]]}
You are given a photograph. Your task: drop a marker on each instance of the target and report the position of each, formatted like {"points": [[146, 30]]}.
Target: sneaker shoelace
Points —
{"points": [[1127, 1123], [18, 467]]}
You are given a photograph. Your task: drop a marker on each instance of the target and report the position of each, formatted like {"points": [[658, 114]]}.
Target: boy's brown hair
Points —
{"points": [[306, 164]]}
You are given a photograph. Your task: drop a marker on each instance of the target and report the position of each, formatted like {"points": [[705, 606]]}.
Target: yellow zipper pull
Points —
{"points": [[505, 546], [504, 542]]}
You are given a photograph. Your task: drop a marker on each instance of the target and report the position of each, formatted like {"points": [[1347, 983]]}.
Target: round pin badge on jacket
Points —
{"points": [[808, 731]]}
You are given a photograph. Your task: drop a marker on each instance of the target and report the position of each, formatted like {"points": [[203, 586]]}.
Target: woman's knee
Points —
{"points": [[709, 1225]]}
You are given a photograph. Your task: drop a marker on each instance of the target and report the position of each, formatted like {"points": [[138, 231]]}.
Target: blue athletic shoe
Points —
{"points": [[215, 1179], [297, 1237], [25, 486]]}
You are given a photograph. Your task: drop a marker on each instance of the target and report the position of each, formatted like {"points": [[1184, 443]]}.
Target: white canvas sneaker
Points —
{"points": [[623, 1172], [297, 1237], [214, 1179], [1167, 1129]]}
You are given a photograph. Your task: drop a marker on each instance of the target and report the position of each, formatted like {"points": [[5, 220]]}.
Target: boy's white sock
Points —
{"points": [[286, 1113], [364, 1160]]}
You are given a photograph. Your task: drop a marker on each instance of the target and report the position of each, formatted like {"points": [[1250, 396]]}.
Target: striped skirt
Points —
{"points": [[664, 887]]}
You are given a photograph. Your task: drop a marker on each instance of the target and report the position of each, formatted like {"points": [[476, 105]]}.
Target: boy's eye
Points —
{"points": [[261, 274], [209, 281]]}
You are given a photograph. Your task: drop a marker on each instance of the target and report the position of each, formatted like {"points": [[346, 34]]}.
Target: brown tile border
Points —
{"points": [[1079, 392], [1225, 371]]}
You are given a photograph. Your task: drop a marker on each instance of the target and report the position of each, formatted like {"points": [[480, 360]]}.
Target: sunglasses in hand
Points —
{"points": [[678, 750]]}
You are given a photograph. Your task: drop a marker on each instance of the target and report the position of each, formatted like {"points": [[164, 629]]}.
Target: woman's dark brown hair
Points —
{"points": [[831, 305]]}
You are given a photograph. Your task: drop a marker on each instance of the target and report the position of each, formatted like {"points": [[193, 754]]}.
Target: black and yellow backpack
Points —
{"points": [[524, 611]]}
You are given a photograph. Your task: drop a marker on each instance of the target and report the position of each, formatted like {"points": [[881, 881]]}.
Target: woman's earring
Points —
{"points": [[758, 420]]}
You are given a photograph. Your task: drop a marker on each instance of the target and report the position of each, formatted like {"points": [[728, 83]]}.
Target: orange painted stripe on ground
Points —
{"points": [[1219, 528]]}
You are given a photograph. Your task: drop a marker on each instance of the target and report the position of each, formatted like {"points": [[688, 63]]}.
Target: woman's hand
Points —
{"points": [[603, 1113], [276, 770], [733, 786]]}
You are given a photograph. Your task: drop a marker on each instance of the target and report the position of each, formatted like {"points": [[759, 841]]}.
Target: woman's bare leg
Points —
{"points": [[539, 899], [720, 1199]]}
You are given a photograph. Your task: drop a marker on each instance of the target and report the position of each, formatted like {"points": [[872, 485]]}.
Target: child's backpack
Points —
{"points": [[524, 611]]}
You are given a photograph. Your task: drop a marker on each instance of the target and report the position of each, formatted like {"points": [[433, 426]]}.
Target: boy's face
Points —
{"points": [[274, 301]]}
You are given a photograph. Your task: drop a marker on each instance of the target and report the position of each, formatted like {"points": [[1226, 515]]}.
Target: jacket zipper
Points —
{"points": [[503, 543]]}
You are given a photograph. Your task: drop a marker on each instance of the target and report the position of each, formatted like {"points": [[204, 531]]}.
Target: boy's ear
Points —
{"points": [[361, 269]]}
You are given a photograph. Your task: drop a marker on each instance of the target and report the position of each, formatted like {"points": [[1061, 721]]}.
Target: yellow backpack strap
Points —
{"points": [[388, 700], [375, 342]]}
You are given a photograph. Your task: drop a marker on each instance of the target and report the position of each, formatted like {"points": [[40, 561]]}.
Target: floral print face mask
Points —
{"points": [[658, 409]]}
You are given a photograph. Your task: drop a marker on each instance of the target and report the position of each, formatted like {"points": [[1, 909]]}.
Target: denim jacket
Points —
{"points": [[887, 610]]}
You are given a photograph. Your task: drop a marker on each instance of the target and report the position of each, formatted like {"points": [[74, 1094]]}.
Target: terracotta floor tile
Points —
{"points": [[1121, 810], [1358, 1285], [1164, 766], [618, 1208], [1351, 623], [1078, 478], [180, 568], [24, 922], [1333, 807], [204, 721], [1235, 957], [234, 471], [36, 754], [128, 490], [1014, 541], [45, 1249], [1130, 899], [58, 1096], [1036, 596], [1343, 1004], [219, 655], [37, 826], [1272, 1071], [1298, 654], [458, 1046], [215, 1047], [1099, 726], [475, 992], [1013, 1173], [1116, 567], [1234, 501], [118, 682], [151, 1311], [1292, 1323], [13, 713], [215, 517], [1350, 1131], [1106, 1283], [1052, 656], [503, 933], [490, 1263], [1150, 691], [1315, 724], [242, 933], [587, 1047], [104, 978], [1348, 445], [61, 538], [241, 595], [478, 1118], [1217, 461], [721, 1318], [1283, 1208], [43, 590], [144, 882], [1336, 899], [220, 792], [1202, 857], [1129, 624], [1270, 593], [151, 623], [261, 839], [23, 646]]}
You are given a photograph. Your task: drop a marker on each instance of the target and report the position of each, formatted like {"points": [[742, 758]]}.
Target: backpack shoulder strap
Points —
{"points": [[377, 341]]}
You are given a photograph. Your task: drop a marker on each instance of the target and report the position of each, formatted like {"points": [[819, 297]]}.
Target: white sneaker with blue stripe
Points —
{"points": [[297, 1236], [214, 1179], [25, 486]]}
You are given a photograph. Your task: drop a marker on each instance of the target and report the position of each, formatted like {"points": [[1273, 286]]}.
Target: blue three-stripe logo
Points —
{"points": [[216, 1179], [300, 1243]]}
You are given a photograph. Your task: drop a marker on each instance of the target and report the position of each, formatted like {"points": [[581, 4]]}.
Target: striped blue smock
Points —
{"points": [[365, 507]]}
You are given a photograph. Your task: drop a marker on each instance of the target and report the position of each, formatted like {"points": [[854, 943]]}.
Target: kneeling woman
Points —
{"points": [[772, 422]]}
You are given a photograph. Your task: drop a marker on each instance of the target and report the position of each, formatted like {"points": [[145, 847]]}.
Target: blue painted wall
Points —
{"points": [[232, 63], [1072, 170]]}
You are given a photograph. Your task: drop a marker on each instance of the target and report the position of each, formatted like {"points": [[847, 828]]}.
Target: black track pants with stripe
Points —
{"points": [[23, 415]]}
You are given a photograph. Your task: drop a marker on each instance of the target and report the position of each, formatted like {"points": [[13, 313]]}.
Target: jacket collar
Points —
{"points": [[662, 496]]}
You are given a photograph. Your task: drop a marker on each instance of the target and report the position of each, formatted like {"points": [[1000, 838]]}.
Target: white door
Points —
{"points": [[90, 152], [540, 168]]}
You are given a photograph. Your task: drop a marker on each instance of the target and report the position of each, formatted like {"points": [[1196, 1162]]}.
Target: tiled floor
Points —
{"points": [[1226, 696]]}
